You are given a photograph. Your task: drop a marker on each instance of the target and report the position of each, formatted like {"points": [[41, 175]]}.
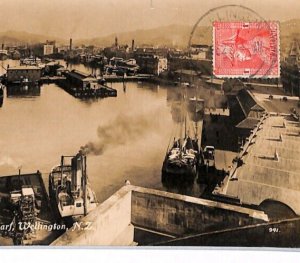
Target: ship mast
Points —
{"points": [[196, 124], [62, 170]]}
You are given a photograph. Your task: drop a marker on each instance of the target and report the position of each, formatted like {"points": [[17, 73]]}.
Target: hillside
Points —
{"points": [[173, 35], [19, 37], [178, 35]]}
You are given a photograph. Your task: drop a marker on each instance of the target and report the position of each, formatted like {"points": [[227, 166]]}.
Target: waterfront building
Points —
{"points": [[51, 68], [245, 113], [184, 62], [31, 73], [186, 75], [120, 66], [81, 80]]}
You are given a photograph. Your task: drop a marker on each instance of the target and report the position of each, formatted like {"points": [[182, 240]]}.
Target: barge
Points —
{"points": [[25, 212]]}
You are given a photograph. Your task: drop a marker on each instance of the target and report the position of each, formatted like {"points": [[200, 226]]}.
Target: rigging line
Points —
{"points": [[172, 131]]}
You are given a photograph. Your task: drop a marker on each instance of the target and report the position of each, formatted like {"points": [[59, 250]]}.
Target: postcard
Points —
{"points": [[150, 123]]}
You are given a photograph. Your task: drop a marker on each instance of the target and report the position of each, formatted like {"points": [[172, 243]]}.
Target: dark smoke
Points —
{"points": [[123, 129]]}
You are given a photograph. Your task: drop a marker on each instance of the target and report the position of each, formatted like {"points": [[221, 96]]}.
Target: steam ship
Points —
{"points": [[69, 190]]}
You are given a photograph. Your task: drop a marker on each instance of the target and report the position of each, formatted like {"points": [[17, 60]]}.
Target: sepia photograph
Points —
{"points": [[146, 123]]}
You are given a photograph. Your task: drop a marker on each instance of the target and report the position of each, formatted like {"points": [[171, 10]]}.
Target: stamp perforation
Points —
{"points": [[236, 49]]}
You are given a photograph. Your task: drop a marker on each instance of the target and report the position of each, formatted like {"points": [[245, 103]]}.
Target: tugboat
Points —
{"points": [[69, 190]]}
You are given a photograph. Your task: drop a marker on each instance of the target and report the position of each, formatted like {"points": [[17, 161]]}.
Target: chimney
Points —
{"points": [[132, 45], [2, 46], [70, 43], [116, 42]]}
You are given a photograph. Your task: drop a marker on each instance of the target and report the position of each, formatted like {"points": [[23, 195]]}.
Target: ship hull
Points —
{"points": [[178, 173]]}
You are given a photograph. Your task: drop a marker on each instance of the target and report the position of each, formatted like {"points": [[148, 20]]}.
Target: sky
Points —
{"points": [[93, 18]]}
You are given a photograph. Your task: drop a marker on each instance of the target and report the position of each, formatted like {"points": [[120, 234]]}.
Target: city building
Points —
{"points": [[48, 49], [62, 49], [290, 71], [151, 63], [200, 51]]}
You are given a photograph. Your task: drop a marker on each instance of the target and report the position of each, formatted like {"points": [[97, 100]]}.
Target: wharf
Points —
{"points": [[53, 79], [115, 78], [107, 78]]}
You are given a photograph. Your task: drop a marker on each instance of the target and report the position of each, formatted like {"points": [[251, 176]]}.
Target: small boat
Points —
{"points": [[69, 190]]}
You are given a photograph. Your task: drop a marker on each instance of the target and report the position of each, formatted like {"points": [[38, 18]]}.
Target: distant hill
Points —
{"points": [[178, 35], [20, 37], [172, 35]]}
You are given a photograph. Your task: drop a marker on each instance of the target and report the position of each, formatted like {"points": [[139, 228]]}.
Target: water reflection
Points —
{"points": [[1, 95], [24, 91]]}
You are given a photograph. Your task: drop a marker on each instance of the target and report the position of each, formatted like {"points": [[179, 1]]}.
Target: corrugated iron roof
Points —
{"points": [[262, 175]]}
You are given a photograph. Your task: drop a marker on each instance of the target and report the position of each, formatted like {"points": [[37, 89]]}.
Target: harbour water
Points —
{"points": [[126, 136]]}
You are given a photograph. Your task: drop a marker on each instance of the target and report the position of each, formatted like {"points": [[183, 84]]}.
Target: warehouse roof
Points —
{"points": [[271, 165]]}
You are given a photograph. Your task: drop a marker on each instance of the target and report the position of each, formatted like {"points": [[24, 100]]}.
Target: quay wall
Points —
{"points": [[182, 215], [281, 234], [113, 222]]}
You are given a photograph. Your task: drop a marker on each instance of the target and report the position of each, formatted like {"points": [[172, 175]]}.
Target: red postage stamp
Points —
{"points": [[243, 50]]}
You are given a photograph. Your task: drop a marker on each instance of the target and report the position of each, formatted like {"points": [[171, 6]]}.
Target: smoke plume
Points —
{"points": [[122, 130]]}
